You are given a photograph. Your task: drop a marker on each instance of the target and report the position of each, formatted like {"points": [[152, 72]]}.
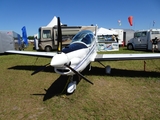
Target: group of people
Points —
{"points": [[155, 43]]}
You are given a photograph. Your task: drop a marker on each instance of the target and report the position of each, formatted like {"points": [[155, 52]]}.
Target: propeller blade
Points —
{"points": [[78, 74], [59, 45], [40, 69]]}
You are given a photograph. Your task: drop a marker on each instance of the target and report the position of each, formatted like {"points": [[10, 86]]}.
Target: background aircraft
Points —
{"points": [[78, 55]]}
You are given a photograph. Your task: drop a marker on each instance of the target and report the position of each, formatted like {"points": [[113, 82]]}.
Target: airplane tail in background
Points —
{"points": [[96, 30], [24, 35]]}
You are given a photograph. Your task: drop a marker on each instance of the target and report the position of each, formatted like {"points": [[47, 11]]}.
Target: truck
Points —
{"points": [[142, 40], [47, 36], [10, 40]]}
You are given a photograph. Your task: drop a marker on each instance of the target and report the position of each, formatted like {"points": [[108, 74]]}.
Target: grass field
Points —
{"points": [[128, 93]]}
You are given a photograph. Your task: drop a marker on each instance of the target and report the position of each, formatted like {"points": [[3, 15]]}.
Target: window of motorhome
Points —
{"points": [[46, 34], [66, 35]]}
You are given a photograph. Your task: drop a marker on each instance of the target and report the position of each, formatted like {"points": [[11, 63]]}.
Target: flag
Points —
{"points": [[24, 35], [130, 20], [119, 22], [153, 23]]}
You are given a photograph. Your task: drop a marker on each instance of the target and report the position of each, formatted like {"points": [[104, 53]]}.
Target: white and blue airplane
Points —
{"points": [[78, 55]]}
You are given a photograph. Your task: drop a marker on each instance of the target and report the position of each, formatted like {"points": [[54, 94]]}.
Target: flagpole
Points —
{"points": [[153, 23]]}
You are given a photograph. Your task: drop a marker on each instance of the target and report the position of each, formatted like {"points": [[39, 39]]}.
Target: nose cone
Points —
{"points": [[59, 60]]}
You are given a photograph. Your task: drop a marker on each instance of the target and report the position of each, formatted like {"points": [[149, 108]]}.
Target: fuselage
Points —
{"points": [[78, 54]]}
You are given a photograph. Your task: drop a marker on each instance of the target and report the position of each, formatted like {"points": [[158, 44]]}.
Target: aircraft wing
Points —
{"points": [[30, 53], [119, 57]]}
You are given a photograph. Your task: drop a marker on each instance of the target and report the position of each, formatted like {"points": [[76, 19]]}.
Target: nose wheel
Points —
{"points": [[72, 85]]}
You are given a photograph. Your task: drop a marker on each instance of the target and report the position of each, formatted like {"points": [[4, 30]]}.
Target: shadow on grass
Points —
{"points": [[32, 68], [123, 72], [99, 71], [58, 87]]}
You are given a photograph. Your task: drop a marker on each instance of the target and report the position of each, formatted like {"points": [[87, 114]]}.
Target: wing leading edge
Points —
{"points": [[120, 57], [29, 53]]}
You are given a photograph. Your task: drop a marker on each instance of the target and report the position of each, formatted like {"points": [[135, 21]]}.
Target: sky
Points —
{"points": [[14, 14]]}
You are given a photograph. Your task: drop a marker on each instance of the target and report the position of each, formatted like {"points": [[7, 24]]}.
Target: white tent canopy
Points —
{"points": [[104, 31], [53, 22]]}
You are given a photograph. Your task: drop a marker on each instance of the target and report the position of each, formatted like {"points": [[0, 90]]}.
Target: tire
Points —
{"points": [[130, 47], [48, 48]]}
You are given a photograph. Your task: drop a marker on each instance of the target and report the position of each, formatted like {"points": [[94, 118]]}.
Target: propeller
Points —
{"points": [[78, 73], [59, 45]]}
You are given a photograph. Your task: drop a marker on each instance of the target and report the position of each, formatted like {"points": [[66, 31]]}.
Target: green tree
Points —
{"points": [[30, 37]]}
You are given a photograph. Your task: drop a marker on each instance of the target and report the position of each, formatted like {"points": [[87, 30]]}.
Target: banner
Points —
{"points": [[24, 36], [108, 47]]}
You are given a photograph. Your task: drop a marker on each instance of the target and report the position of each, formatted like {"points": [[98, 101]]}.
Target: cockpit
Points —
{"points": [[81, 40], [85, 36]]}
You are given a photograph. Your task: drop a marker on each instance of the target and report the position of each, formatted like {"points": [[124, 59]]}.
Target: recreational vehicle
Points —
{"points": [[142, 39], [47, 36]]}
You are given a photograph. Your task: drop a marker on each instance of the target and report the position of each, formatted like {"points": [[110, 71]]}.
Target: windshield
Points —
{"points": [[39, 34], [85, 36]]}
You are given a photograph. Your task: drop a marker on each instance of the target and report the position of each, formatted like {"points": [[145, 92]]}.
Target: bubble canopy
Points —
{"points": [[81, 40], [85, 36]]}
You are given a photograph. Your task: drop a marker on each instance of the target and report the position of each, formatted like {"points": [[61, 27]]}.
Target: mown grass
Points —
{"points": [[128, 93]]}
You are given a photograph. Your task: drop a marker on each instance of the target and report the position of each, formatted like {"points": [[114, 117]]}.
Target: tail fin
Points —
{"points": [[96, 30]]}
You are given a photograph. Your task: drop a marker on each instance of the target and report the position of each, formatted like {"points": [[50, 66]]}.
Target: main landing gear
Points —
{"points": [[107, 68]]}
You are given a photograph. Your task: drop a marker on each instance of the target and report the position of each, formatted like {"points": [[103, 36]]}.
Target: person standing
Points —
{"points": [[117, 40], [113, 38], [36, 43], [155, 44]]}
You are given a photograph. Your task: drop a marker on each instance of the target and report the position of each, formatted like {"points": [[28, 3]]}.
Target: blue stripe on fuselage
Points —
{"points": [[84, 59]]}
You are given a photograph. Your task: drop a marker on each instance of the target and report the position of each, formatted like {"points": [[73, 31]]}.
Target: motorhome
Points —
{"points": [[142, 39], [47, 36]]}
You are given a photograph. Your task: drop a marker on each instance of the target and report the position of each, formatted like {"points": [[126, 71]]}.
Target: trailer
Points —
{"points": [[127, 35], [124, 35], [9, 41]]}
